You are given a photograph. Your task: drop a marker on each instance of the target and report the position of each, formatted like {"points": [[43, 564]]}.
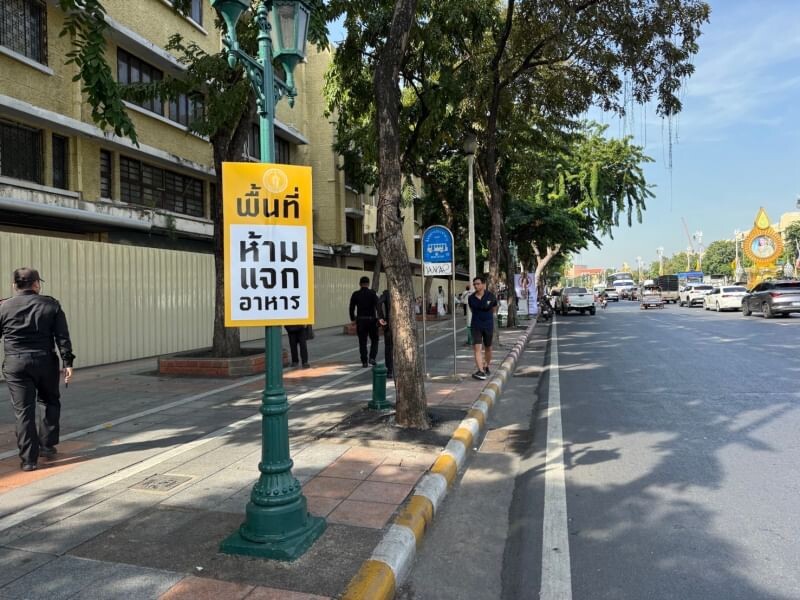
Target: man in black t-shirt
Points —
{"points": [[483, 305]]}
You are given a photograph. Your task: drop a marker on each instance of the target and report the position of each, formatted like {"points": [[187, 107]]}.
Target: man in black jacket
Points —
{"points": [[363, 312], [32, 326], [384, 310]]}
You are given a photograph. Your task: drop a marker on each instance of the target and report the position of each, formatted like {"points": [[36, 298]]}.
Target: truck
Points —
{"points": [[575, 298], [669, 288]]}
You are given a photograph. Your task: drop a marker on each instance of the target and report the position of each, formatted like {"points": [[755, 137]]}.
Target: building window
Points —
{"points": [[23, 28], [106, 174], [185, 110], [60, 162], [196, 12], [20, 152], [131, 69], [151, 186], [282, 151], [282, 148]]}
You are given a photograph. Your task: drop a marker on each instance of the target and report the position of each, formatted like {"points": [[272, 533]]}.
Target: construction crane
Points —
{"points": [[691, 249]]}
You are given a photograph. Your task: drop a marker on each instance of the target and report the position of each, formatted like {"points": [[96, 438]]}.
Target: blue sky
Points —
{"points": [[738, 136]]}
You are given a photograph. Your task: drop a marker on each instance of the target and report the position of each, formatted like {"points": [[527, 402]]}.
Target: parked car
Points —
{"points": [[612, 295], [773, 299], [725, 297], [693, 293], [575, 298]]}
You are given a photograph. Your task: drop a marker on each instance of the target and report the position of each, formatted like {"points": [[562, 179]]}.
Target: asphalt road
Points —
{"points": [[676, 471]]}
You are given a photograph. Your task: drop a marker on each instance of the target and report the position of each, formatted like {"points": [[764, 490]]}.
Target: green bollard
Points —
{"points": [[469, 336], [379, 401]]}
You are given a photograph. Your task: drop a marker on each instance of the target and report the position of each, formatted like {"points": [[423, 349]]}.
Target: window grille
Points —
{"points": [[151, 186], [23, 28], [20, 152], [106, 174], [131, 70], [60, 162], [186, 109], [283, 149]]}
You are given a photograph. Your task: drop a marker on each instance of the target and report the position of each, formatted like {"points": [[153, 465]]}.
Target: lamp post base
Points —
{"points": [[287, 545]]}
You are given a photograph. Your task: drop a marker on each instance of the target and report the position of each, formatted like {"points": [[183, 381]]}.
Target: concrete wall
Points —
{"points": [[126, 302]]}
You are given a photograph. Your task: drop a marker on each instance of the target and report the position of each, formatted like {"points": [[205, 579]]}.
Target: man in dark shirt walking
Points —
{"points": [[384, 310], [363, 312], [483, 305], [32, 326]]}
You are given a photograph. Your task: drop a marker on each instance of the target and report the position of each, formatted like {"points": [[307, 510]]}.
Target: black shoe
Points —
{"points": [[479, 375], [363, 364], [389, 375], [47, 451], [306, 366], [295, 364], [486, 369], [28, 466], [372, 362]]}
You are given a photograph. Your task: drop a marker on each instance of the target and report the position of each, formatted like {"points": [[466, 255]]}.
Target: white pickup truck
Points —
{"points": [[575, 298]]}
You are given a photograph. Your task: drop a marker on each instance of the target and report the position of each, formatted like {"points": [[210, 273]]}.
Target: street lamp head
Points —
{"points": [[230, 11], [290, 31], [470, 143]]}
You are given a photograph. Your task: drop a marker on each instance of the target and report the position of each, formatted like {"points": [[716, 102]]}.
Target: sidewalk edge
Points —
{"points": [[385, 571]]}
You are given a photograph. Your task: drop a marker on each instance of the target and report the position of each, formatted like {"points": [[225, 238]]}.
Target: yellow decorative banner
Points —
{"points": [[763, 245], [268, 241]]}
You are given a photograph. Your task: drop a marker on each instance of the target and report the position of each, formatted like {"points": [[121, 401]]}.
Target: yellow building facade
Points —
{"points": [[61, 175]]}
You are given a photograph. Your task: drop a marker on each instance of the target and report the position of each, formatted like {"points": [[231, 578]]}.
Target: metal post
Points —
{"points": [[277, 523], [455, 346], [473, 269], [379, 401]]}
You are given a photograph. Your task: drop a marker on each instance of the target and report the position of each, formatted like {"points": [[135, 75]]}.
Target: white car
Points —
{"points": [[725, 297], [693, 294]]}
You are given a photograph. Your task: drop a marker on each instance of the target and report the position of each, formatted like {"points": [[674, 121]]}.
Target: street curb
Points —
{"points": [[384, 572]]}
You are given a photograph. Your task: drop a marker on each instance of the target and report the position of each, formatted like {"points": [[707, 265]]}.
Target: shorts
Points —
{"points": [[482, 335]]}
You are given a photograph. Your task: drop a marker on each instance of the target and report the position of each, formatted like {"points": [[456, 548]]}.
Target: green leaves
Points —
{"points": [[85, 24]]}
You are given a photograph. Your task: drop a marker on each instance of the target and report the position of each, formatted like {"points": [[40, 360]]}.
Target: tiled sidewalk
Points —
{"points": [[124, 538]]}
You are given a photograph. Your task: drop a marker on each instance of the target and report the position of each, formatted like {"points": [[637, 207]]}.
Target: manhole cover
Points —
{"points": [[161, 483]]}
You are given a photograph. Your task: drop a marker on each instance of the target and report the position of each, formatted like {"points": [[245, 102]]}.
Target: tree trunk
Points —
{"points": [[226, 340], [376, 274], [227, 147], [541, 265], [409, 377]]}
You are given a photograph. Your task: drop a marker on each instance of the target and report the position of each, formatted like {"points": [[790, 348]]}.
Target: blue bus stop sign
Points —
{"points": [[437, 250], [437, 244]]}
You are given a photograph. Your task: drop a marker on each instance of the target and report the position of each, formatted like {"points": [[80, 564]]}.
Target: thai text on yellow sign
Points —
{"points": [[268, 241]]}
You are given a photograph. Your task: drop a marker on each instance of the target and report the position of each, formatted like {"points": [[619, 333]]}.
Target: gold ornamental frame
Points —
{"points": [[763, 229]]}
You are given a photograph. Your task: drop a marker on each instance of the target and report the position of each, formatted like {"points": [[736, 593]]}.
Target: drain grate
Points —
{"points": [[161, 483]]}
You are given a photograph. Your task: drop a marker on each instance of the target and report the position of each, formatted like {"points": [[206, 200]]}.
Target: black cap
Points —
{"points": [[26, 275]]}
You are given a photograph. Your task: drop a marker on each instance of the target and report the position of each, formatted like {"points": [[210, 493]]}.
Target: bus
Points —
{"points": [[617, 279]]}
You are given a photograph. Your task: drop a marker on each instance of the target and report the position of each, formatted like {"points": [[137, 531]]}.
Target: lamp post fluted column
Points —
{"points": [[470, 146], [277, 522]]}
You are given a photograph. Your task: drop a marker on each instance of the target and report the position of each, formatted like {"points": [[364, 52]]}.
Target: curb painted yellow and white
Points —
{"points": [[384, 572]]}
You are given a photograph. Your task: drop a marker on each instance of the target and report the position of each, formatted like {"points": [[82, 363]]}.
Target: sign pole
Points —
{"points": [[455, 347], [424, 322]]}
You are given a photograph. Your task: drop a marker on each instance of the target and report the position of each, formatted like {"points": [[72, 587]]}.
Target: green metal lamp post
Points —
{"points": [[277, 523]]}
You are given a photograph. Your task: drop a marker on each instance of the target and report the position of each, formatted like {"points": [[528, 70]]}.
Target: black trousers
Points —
{"points": [[367, 328], [388, 344], [298, 339], [26, 377]]}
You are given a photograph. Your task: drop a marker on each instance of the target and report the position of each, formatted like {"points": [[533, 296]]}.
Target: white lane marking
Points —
{"points": [[556, 575], [181, 402], [21, 516]]}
